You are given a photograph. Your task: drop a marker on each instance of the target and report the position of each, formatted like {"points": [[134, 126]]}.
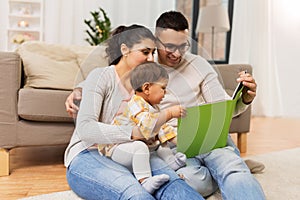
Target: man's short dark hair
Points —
{"points": [[172, 20]]}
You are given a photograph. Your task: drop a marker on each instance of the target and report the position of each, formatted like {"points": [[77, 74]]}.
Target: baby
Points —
{"points": [[149, 81]]}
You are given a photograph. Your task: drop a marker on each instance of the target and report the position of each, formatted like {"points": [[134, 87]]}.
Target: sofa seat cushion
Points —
{"points": [[43, 105]]}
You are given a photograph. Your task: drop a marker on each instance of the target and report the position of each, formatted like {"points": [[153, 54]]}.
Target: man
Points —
{"points": [[192, 82]]}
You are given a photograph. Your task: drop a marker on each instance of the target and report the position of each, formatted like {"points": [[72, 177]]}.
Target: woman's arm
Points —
{"points": [[100, 98]]}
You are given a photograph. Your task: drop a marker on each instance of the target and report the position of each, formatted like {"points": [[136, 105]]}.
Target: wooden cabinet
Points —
{"points": [[25, 22]]}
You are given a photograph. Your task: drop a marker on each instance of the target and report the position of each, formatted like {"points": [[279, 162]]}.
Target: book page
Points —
{"points": [[206, 127]]}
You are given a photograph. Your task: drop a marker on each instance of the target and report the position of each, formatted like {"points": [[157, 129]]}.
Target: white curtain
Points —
{"points": [[4, 24], [64, 19], [266, 34]]}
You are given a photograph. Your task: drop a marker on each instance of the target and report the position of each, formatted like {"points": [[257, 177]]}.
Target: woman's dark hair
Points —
{"points": [[172, 20], [128, 35], [147, 72]]}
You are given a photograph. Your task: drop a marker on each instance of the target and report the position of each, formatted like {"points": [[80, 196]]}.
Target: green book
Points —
{"points": [[206, 126]]}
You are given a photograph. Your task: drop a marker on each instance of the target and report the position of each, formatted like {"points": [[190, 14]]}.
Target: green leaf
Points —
{"points": [[99, 27]]}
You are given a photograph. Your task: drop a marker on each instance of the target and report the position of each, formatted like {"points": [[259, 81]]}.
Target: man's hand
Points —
{"points": [[249, 91], [72, 102]]}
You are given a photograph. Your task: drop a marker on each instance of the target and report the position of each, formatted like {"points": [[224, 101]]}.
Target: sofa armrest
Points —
{"points": [[10, 81], [229, 73]]}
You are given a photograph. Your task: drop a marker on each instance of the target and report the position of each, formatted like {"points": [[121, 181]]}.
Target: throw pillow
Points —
{"points": [[49, 65], [96, 58]]}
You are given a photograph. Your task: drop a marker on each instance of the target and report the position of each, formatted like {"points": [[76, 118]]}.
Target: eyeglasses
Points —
{"points": [[172, 47]]}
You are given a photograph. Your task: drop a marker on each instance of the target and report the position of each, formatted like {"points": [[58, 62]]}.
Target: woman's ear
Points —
{"points": [[146, 86], [124, 49]]}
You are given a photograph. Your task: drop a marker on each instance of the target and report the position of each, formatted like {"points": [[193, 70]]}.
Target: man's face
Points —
{"points": [[171, 46]]}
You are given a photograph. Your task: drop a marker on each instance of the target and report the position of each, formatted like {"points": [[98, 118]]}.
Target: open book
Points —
{"points": [[206, 126]]}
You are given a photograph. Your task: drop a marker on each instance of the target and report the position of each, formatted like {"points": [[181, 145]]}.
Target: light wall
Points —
{"points": [[64, 20]]}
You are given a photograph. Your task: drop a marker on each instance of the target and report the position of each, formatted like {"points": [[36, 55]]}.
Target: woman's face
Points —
{"points": [[141, 53]]}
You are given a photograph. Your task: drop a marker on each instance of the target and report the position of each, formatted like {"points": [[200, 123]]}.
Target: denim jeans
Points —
{"points": [[92, 176], [223, 168]]}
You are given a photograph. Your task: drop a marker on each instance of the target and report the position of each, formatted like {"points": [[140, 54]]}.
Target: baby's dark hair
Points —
{"points": [[147, 72], [129, 35]]}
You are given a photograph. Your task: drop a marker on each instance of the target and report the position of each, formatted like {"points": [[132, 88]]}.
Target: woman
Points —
{"points": [[104, 94]]}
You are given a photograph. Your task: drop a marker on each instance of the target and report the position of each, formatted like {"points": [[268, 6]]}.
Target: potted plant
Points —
{"points": [[99, 27]]}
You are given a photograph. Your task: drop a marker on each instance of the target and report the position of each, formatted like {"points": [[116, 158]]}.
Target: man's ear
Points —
{"points": [[124, 49], [146, 87]]}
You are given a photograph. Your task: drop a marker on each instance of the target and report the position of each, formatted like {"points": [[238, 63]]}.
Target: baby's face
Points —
{"points": [[157, 91]]}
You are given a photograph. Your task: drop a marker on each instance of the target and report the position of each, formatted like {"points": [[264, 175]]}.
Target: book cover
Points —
{"points": [[206, 126]]}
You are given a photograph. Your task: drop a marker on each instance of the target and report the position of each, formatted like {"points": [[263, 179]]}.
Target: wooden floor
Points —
{"points": [[40, 170]]}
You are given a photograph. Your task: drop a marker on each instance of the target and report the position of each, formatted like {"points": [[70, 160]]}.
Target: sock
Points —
{"points": [[255, 166], [153, 183], [177, 161], [174, 161]]}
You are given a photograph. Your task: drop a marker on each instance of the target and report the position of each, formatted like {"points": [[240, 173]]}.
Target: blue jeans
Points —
{"points": [[92, 176], [223, 168]]}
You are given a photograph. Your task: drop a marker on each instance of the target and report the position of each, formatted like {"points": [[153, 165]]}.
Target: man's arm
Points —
{"points": [[72, 102]]}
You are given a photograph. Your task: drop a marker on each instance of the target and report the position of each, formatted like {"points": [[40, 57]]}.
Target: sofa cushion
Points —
{"points": [[43, 105], [96, 58], [51, 65]]}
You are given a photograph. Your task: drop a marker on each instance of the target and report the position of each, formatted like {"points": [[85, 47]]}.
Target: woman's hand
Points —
{"points": [[249, 91], [73, 101]]}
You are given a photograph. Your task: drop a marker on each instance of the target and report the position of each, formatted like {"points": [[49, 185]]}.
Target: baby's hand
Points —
{"points": [[177, 111]]}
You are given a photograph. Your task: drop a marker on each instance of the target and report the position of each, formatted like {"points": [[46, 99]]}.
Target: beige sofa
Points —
{"points": [[32, 110]]}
